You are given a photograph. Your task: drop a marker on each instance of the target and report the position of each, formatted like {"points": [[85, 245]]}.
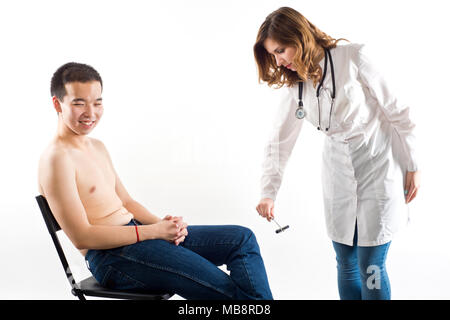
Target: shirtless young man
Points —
{"points": [[126, 246]]}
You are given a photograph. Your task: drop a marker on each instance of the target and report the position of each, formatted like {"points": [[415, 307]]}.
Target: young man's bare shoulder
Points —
{"points": [[100, 146], [54, 161], [54, 152], [97, 143]]}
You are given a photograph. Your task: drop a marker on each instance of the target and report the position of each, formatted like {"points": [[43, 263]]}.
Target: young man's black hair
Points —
{"points": [[72, 72]]}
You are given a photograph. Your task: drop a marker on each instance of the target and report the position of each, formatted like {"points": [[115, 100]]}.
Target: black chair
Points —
{"points": [[89, 286]]}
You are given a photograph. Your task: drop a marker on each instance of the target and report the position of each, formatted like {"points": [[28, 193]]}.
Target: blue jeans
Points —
{"points": [[189, 269], [362, 271]]}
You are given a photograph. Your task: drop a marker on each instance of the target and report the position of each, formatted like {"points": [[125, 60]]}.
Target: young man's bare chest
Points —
{"points": [[95, 181]]}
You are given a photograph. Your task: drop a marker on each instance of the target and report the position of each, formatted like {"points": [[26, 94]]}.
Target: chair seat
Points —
{"points": [[91, 287]]}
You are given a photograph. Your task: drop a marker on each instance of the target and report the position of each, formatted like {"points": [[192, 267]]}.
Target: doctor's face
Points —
{"points": [[284, 55]]}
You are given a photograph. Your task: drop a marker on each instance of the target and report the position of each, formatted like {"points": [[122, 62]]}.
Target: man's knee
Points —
{"points": [[248, 238]]}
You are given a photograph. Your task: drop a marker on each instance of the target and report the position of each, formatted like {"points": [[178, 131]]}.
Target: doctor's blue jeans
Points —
{"points": [[189, 269], [362, 271]]}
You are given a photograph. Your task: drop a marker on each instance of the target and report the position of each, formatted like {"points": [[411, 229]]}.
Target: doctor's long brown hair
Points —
{"points": [[290, 28]]}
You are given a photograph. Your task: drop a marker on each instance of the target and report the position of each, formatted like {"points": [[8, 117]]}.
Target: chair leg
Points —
{"points": [[78, 294], [81, 297]]}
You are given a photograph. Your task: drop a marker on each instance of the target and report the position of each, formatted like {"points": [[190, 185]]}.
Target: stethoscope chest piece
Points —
{"points": [[300, 113]]}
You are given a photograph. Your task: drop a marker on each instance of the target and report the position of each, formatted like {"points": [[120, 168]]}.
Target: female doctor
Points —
{"points": [[369, 168]]}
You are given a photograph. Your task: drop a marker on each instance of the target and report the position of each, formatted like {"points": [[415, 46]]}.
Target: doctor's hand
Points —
{"points": [[412, 185], [265, 208]]}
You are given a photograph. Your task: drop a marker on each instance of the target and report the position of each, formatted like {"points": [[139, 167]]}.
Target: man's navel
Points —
{"points": [[92, 189]]}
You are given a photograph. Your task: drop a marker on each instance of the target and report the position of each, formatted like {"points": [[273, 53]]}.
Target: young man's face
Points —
{"points": [[81, 108]]}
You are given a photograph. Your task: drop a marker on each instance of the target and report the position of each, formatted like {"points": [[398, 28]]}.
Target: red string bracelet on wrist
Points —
{"points": [[137, 233]]}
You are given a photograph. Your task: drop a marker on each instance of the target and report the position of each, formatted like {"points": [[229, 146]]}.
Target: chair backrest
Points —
{"points": [[53, 227]]}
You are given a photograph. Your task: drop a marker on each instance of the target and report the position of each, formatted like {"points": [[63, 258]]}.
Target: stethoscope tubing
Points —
{"points": [[300, 113]]}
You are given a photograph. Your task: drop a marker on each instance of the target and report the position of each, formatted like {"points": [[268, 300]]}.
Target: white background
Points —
{"points": [[186, 121]]}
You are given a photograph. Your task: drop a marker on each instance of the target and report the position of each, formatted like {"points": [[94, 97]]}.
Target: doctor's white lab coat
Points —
{"points": [[367, 150]]}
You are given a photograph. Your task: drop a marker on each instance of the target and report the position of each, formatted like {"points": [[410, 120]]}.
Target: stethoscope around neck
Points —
{"points": [[300, 112]]}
